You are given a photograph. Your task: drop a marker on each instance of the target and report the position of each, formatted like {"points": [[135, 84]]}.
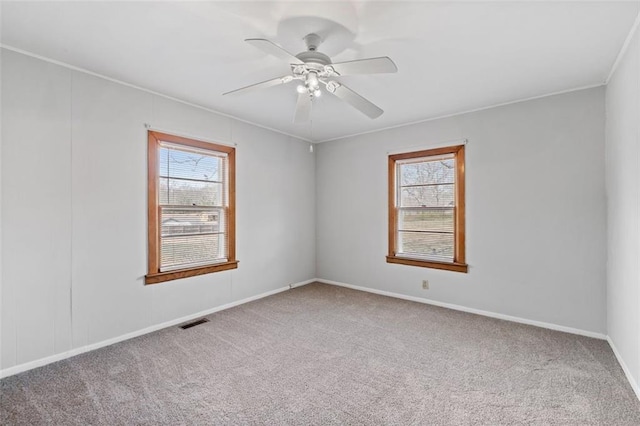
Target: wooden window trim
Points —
{"points": [[459, 264], [191, 272], [154, 275]]}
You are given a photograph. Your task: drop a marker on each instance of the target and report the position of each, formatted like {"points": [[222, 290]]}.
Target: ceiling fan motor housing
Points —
{"points": [[316, 62], [311, 57]]}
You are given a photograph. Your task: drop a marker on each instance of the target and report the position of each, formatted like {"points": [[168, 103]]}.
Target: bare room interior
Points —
{"points": [[320, 213]]}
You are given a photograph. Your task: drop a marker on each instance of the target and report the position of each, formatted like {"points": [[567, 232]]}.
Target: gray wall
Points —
{"points": [[623, 214], [536, 241], [73, 214]]}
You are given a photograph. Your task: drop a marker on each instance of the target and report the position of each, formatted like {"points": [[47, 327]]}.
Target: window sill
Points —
{"points": [[160, 277], [456, 267]]}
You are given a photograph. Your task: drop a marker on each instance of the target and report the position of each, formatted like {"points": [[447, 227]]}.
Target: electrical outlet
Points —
{"points": [[425, 284]]}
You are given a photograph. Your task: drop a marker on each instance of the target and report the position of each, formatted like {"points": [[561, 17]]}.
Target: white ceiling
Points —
{"points": [[451, 56]]}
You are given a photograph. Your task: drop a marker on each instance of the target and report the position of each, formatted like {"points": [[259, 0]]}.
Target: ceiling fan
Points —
{"points": [[313, 69]]}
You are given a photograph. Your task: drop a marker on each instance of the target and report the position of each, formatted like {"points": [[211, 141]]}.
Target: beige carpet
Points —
{"points": [[326, 355]]}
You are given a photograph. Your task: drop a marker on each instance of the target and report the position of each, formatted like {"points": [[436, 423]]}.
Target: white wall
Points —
{"points": [[536, 242], [623, 214], [74, 211]]}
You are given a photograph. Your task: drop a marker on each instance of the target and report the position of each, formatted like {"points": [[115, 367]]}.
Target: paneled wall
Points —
{"points": [[73, 221]]}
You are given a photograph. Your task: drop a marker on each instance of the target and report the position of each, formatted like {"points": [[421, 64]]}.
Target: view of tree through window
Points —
{"points": [[426, 212]]}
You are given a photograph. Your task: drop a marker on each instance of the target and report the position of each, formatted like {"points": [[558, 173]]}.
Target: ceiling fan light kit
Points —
{"points": [[313, 69]]}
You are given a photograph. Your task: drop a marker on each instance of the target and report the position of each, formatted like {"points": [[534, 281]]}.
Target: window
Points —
{"points": [[426, 209], [191, 199]]}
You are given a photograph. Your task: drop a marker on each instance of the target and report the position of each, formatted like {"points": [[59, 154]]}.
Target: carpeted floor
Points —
{"points": [[324, 355]]}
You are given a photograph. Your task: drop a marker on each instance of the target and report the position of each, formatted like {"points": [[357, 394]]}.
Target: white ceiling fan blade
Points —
{"points": [[303, 108], [261, 85], [380, 65], [355, 100], [273, 49]]}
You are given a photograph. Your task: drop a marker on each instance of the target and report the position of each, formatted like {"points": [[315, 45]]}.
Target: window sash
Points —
{"points": [[436, 247], [183, 240], [188, 230]]}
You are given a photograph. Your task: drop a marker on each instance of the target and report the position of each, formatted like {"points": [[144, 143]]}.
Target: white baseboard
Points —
{"points": [[627, 372], [470, 310], [77, 351], [300, 284]]}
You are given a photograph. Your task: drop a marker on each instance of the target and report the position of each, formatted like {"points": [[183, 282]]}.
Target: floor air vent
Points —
{"points": [[194, 323]]}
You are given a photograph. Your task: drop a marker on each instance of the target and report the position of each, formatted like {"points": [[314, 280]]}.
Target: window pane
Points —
{"points": [[189, 165], [183, 251], [428, 196], [189, 221], [426, 220], [191, 236], [190, 193], [433, 246], [428, 172]]}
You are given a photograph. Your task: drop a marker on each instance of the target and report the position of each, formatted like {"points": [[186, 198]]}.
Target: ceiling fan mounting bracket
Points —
{"points": [[312, 41]]}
